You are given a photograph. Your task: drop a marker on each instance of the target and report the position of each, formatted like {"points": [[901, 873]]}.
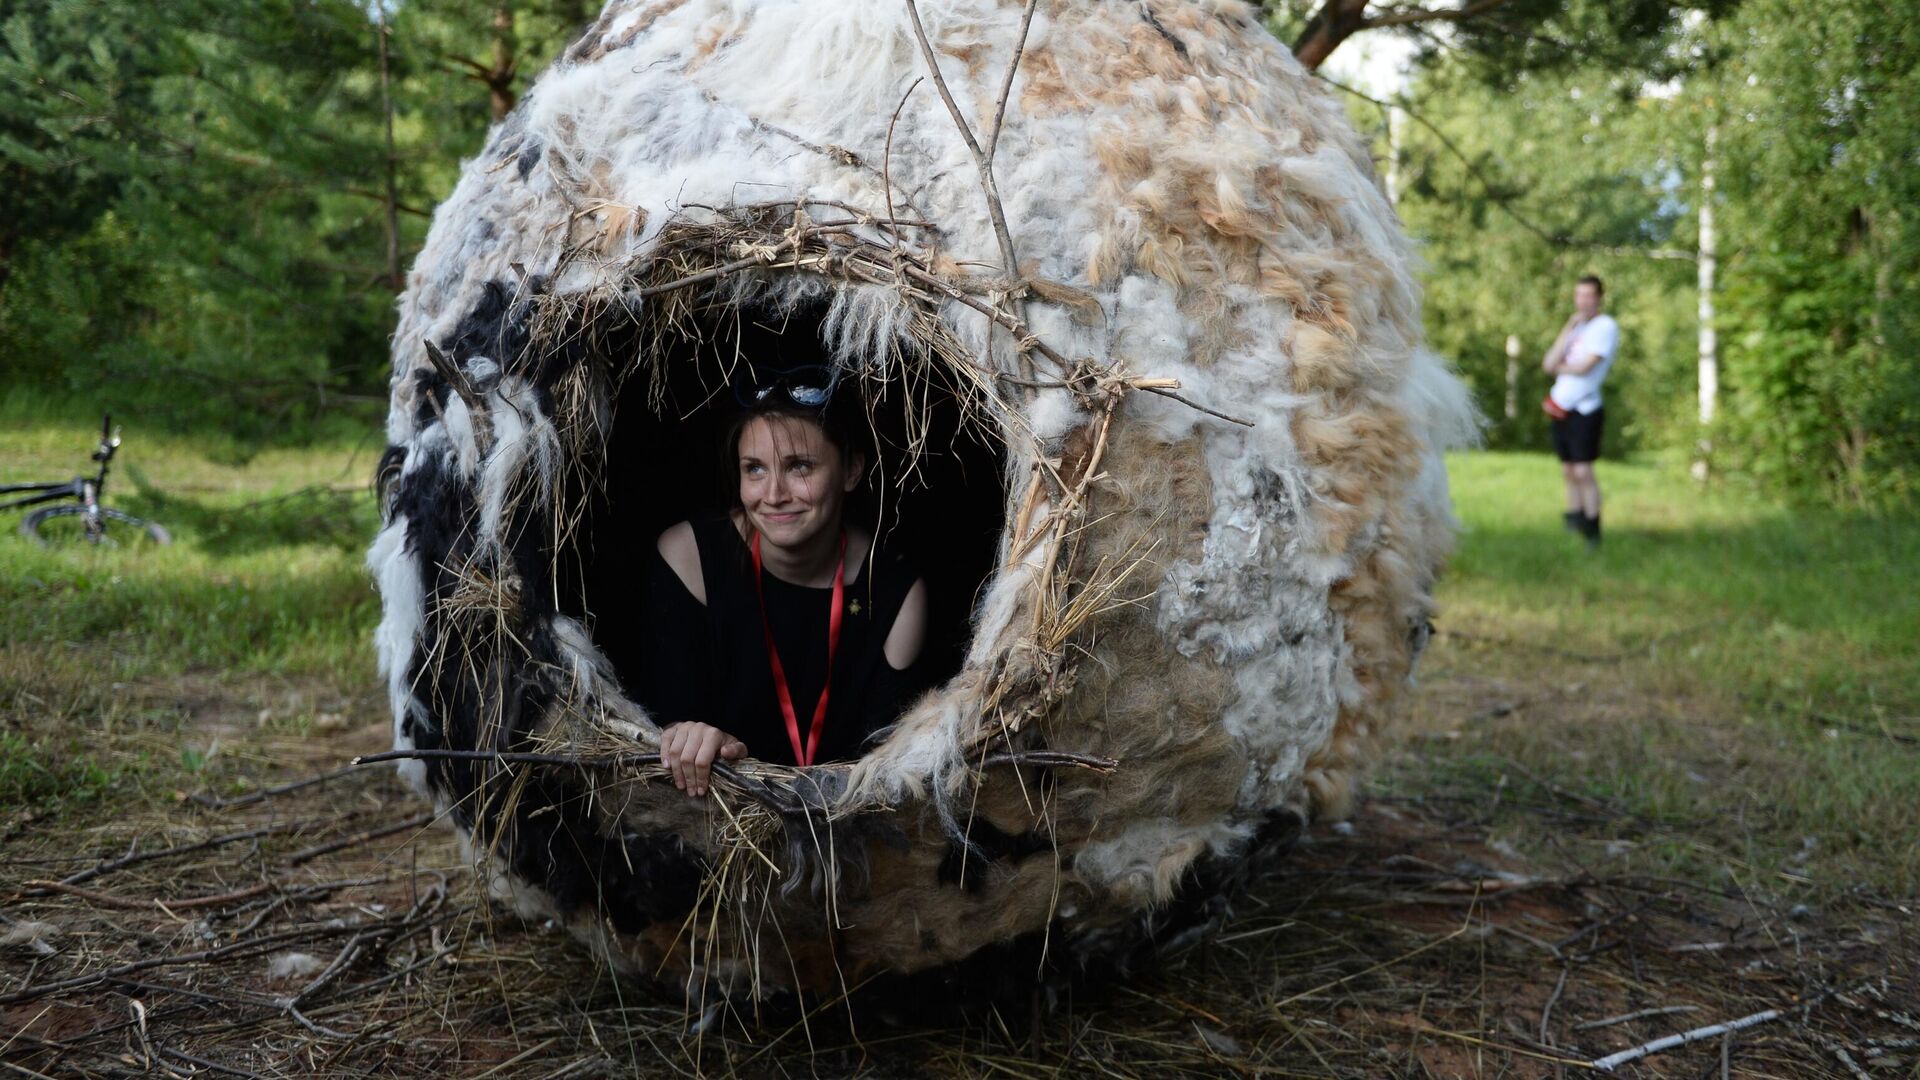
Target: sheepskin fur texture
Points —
{"points": [[1231, 614]]}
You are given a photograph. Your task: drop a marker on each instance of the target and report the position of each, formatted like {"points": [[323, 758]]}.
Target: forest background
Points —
{"points": [[206, 207]]}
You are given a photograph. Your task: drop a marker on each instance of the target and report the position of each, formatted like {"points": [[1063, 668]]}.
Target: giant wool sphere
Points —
{"points": [[1183, 317]]}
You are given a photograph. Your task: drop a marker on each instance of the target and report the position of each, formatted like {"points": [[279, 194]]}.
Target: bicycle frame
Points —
{"points": [[85, 491], [65, 489]]}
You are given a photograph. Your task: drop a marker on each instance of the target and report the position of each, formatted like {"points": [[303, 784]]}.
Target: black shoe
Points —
{"points": [[1575, 521], [1590, 528]]}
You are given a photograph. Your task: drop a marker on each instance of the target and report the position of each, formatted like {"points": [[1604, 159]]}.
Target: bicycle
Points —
{"points": [[85, 514]]}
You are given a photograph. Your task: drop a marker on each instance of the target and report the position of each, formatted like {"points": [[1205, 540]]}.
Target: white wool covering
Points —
{"points": [[1204, 214]]}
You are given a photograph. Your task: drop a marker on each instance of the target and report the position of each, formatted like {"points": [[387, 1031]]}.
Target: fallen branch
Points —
{"points": [[415, 822], [259, 944], [147, 856], [127, 903], [212, 803], [1613, 1061]]}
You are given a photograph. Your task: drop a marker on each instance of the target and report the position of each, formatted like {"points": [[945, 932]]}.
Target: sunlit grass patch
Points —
{"points": [[264, 574], [1738, 677]]}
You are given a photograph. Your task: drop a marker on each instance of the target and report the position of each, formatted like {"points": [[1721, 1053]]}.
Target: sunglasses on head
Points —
{"points": [[809, 387]]}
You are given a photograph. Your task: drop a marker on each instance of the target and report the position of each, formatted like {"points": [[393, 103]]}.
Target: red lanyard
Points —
{"points": [[803, 755]]}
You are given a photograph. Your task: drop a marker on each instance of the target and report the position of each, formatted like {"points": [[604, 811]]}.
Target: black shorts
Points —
{"points": [[1577, 438]]}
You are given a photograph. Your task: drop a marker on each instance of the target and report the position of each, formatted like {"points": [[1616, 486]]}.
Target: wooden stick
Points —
{"points": [[415, 822], [262, 795], [146, 856], [1192, 404], [1613, 1061], [1006, 87], [981, 161], [259, 944], [126, 903]]}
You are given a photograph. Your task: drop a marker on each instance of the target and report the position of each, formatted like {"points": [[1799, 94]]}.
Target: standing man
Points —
{"points": [[1579, 361]]}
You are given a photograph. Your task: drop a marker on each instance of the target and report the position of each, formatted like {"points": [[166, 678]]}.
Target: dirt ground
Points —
{"points": [[326, 927]]}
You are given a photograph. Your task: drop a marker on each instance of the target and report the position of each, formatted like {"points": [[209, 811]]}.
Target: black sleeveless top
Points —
{"points": [[708, 662]]}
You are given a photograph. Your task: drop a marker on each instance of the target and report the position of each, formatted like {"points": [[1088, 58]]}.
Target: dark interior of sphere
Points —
{"points": [[935, 484]]}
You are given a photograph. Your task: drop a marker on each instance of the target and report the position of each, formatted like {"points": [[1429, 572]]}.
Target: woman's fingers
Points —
{"points": [[688, 751], [703, 755], [670, 752], [682, 737], [683, 778]]}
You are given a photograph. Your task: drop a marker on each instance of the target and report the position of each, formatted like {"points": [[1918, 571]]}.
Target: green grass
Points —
{"points": [[1740, 678], [264, 575], [1772, 604]]}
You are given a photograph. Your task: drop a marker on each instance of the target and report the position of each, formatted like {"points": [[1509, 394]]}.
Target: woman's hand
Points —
{"points": [[688, 752]]}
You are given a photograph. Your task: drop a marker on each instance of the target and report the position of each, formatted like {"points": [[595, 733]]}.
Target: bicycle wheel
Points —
{"points": [[68, 525]]}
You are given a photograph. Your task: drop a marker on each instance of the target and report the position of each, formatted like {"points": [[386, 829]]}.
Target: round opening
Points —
{"points": [[935, 485]]}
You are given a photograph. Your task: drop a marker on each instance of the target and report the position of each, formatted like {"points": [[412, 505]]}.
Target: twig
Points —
{"points": [[1051, 758], [415, 822], [1192, 404], [463, 386], [512, 757], [212, 803], [146, 856], [108, 974], [1613, 1061], [1006, 87], [983, 162], [711, 273], [1546, 1012], [981, 159], [212, 1066], [631, 760], [126, 903]]}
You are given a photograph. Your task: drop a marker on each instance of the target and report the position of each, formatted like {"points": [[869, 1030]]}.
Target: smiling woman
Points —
{"points": [[780, 612]]}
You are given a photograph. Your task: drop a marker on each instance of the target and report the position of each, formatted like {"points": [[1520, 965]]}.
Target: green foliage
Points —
{"points": [[1513, 196], [1820, 129], [1537, 176], [193, 225]]}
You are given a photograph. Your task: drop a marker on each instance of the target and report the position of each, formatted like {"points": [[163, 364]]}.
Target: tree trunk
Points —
{"points": [[393, 182], [1335, 22], [1513, 377], [499, 78]]}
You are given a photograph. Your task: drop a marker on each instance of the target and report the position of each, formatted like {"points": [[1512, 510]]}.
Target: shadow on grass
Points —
{"points": [[341, 519]]}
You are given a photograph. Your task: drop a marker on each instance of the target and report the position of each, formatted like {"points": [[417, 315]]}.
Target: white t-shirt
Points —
{"points": [[1599, 336]]}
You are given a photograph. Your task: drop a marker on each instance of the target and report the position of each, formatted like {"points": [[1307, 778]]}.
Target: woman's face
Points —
{"points": [[793, 481]]}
